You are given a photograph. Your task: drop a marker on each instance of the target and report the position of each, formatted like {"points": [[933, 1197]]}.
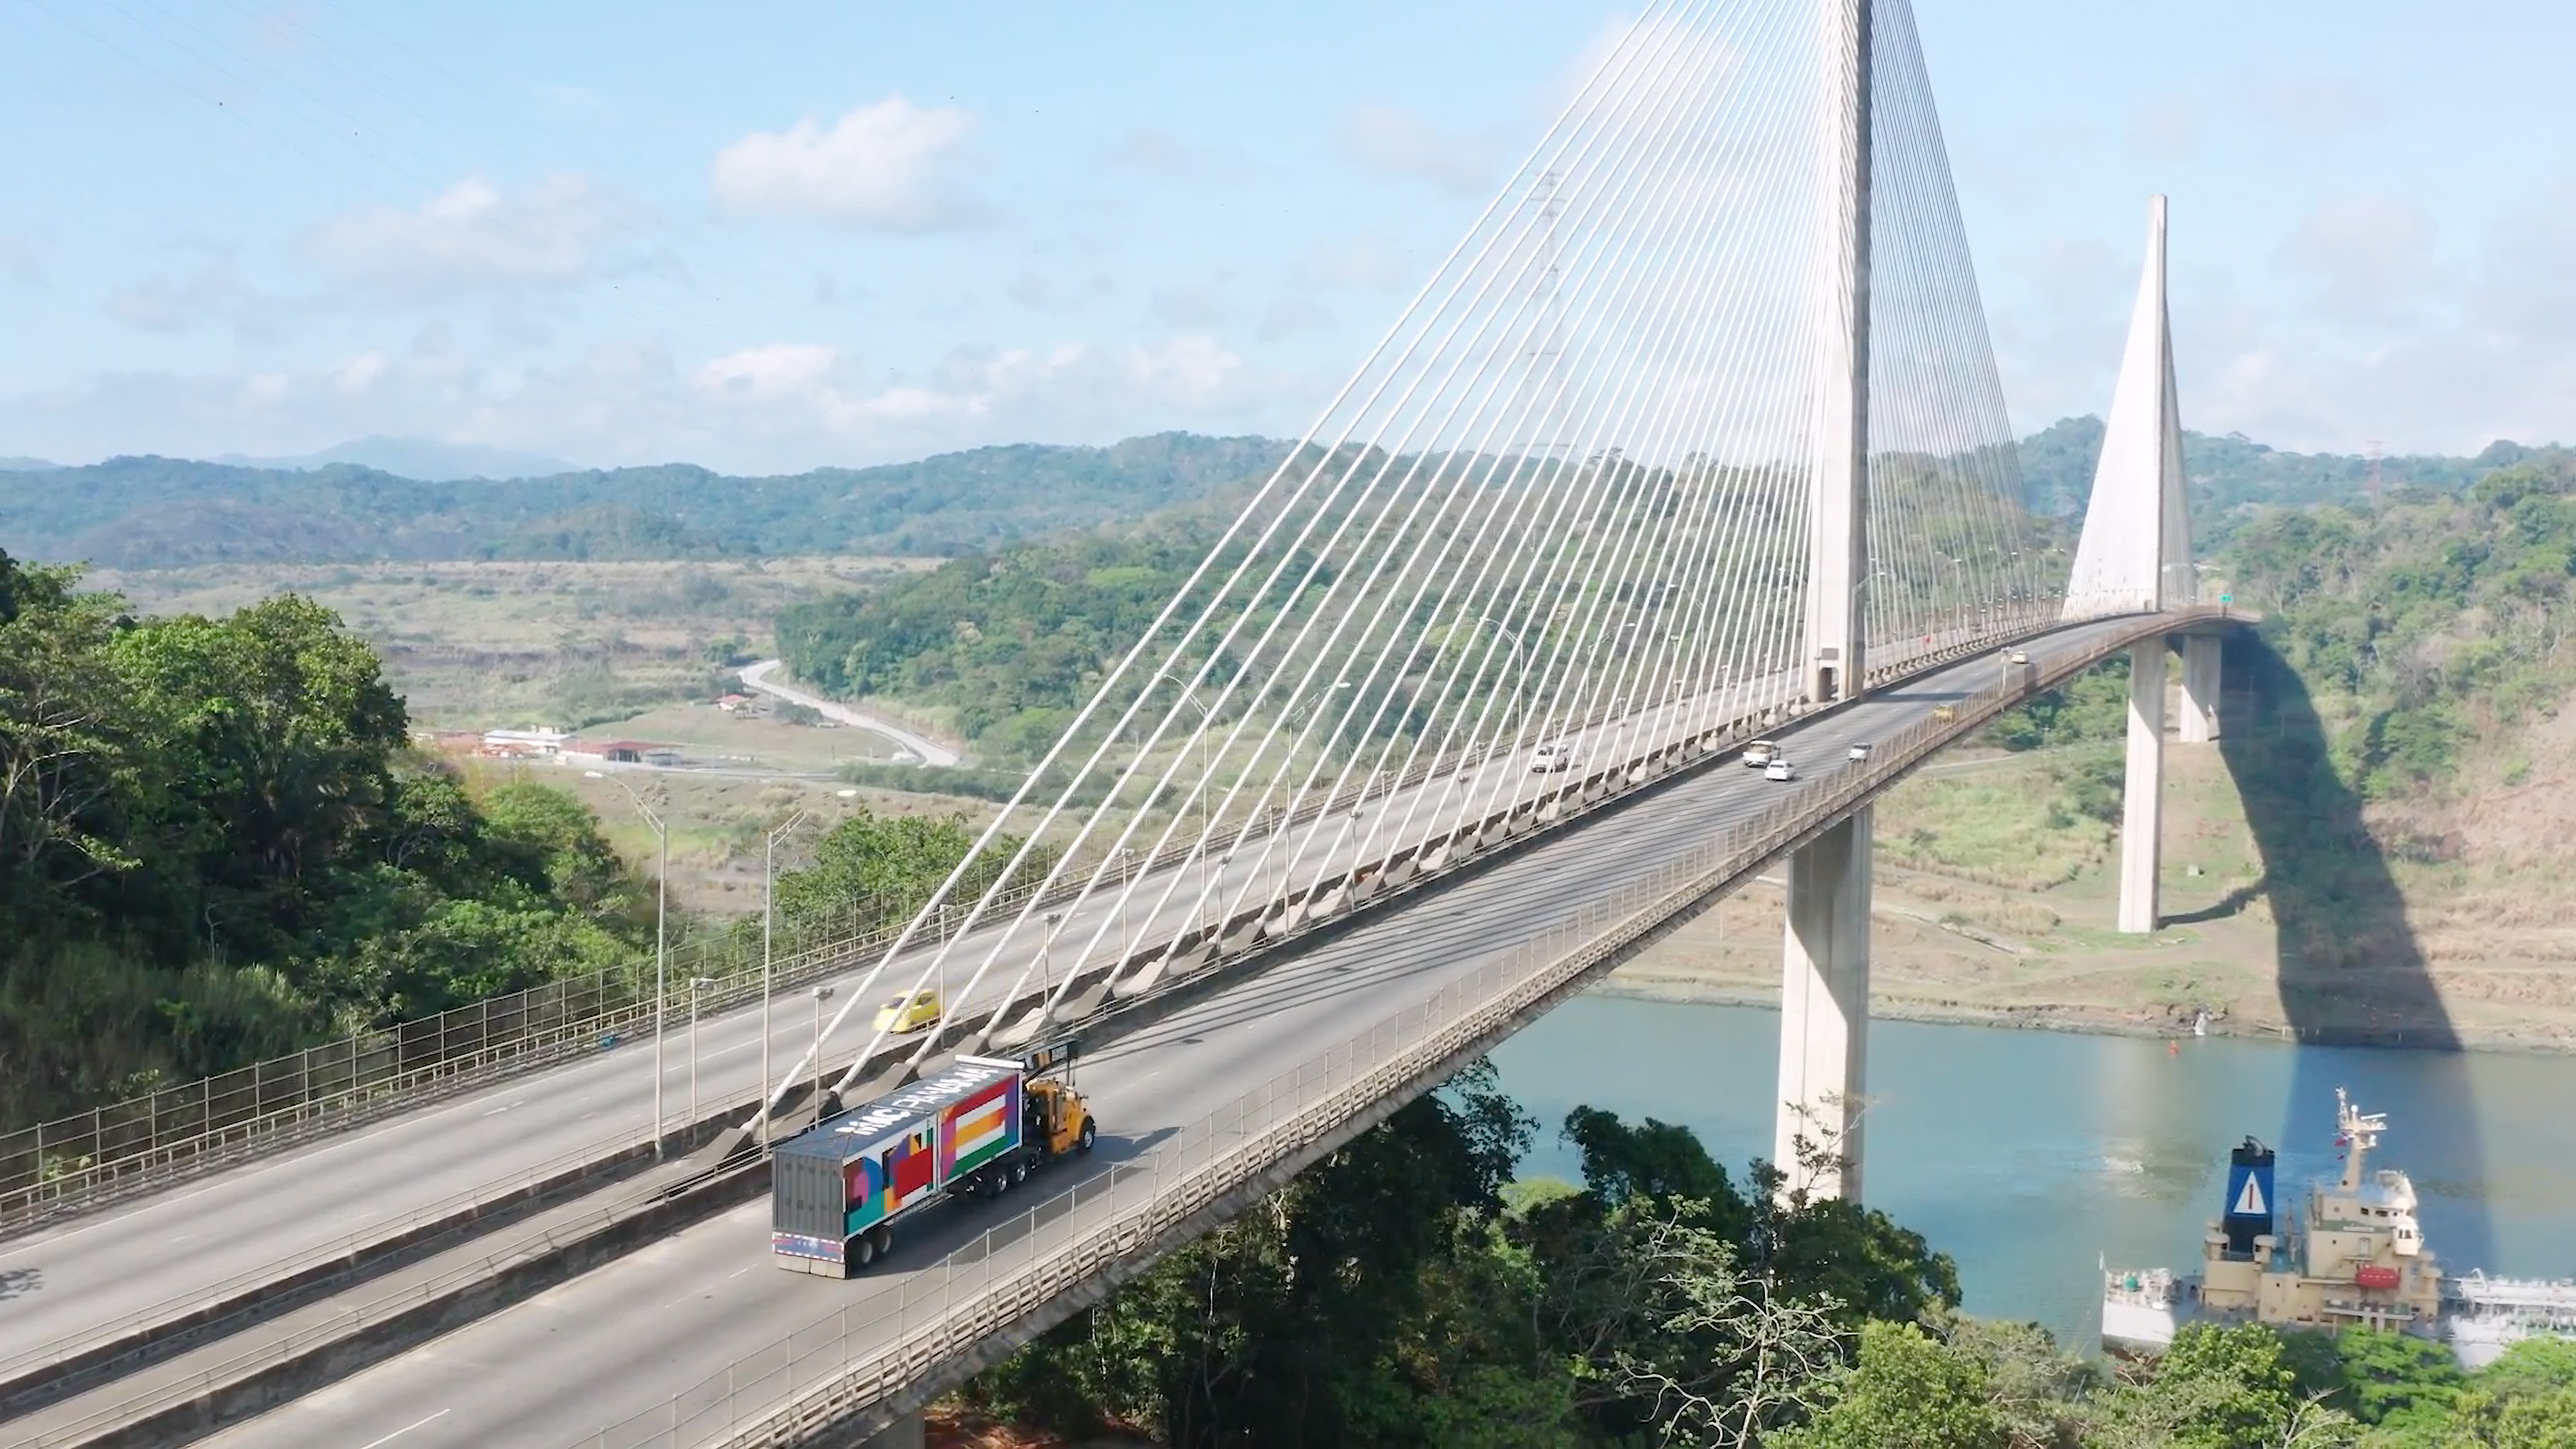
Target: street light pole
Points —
{"points": [[696, 985], [768, 895], [821, 995], [1520, 673], [1205, 784], [661, 940]]}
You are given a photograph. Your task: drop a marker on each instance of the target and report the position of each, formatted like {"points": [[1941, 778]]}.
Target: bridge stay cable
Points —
{"points": [[1564, 501]]}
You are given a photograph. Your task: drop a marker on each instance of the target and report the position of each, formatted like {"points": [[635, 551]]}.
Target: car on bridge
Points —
{"points": [[1758, 754], [1548, 759], [909, 1013], [1858, 753], [1779, 768]]}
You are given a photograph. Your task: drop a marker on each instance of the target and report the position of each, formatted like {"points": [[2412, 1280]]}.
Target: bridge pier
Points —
{"points": [[1824, 1012], [2142, 791], [2199, 688]]}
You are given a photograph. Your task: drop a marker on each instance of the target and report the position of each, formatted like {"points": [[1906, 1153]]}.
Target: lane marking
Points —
{"points": [[405, 1429]]}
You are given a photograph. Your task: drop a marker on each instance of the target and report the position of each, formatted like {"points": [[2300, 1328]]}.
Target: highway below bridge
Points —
{"points": [[651, 1337]]}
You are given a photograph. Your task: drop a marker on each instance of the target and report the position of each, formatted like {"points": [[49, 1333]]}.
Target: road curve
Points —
{"points": [[755, 677], [637, 1331]]}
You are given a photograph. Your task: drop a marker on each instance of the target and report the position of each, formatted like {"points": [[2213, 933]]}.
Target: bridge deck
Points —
{"points": [[634, 1334]]}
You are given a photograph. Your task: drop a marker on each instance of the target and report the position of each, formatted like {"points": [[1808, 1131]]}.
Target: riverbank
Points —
{"points": [[1942, 952]]}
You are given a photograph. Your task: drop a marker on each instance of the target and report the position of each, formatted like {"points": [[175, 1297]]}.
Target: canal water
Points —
{"points": [[2033, 1156]]}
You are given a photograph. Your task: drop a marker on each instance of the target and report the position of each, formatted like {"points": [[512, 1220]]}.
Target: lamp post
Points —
{"points": [[768, 894], [661, 937], [821, 995], [1205, 784], [1126, 922], [1520, 672], [696, 985]]}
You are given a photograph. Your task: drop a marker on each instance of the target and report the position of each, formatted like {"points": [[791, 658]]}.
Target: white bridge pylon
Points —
{"points": [[1563, 523], [2135, 554]]}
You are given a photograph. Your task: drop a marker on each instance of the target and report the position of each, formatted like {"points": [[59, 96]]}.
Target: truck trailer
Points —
{"points": [[979, 1126]]}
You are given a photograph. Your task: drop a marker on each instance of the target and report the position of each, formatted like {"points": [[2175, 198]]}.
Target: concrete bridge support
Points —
{"points": [[1824, 1012], [2199, 688], [2142, 793]]}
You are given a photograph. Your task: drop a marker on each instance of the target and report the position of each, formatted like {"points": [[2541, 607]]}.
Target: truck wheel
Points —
{"points": [[863, 1250], [1089, 1133], [884, 1236]]}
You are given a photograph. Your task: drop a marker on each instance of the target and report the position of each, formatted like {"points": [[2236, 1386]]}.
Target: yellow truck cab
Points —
{"points": [[1058, 1121]]}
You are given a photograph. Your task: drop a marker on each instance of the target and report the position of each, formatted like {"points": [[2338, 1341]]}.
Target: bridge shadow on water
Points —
{"points": [[2350, 969]]}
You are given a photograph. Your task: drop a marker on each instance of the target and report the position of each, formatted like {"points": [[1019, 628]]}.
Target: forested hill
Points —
{"points": [[140, 513], [2233, 474], [162, 512]]}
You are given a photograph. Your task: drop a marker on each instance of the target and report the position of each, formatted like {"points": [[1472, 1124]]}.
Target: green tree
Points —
{"points": [[1907, 1388], [2219, 1388]]}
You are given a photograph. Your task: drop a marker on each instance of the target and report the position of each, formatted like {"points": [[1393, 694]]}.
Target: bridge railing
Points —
{"points": [[856, 1368]]}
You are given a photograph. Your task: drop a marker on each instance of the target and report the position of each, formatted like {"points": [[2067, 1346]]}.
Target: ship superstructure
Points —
{"points": [[2353, 1254]]}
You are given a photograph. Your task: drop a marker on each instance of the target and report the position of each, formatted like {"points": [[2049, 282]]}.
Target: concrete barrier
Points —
{"points": [[264, 1388]]}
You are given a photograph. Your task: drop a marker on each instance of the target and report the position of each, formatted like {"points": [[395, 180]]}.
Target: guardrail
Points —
{"points": [[856, 1369], [146, 1142]]}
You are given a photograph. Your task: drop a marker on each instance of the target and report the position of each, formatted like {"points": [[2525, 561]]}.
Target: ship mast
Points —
{"points": [[2358, 1130]]}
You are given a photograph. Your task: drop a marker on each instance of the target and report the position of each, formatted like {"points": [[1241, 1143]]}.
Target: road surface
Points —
{"points": [[756, 677]]}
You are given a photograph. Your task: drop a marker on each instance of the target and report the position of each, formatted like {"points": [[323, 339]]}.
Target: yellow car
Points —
{"points": [[909, 1013]]}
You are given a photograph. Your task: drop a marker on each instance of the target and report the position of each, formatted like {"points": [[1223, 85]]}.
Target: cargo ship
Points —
{"points": [[2354, 1257]]}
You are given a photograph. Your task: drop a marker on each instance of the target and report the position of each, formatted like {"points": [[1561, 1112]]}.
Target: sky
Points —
{"points": [[774, 237]]}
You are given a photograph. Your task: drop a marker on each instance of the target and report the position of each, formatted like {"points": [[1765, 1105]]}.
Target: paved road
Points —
{"points": [[69, 1285], [756, 677], [619, 1341]]}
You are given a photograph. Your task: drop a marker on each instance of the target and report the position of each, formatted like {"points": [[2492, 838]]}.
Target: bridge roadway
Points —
{"points": [[619, 1341], [90, 1278]]}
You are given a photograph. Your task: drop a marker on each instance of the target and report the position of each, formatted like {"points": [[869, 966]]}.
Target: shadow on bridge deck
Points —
{"points": [[2350, 967]]}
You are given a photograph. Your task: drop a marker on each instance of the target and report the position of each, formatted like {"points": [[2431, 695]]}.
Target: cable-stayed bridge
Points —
{"points": [[1694, 439]]}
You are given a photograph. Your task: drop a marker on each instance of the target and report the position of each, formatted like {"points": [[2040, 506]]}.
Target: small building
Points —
{"points": [[541, 743], [732, 702], [623, 752]]}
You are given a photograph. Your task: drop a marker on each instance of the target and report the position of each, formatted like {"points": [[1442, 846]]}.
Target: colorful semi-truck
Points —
{"points": [[978, 1126]]}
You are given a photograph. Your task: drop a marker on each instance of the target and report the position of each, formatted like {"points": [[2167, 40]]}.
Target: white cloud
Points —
{"points": [[2166, 129], [779, 406], [1401, 143], [473, 237], [2365, 322], [22, 257], [888, 167], [1368, 259], [784, 367], [1040, 293], [2317, 105], [1192, 304], [1292, 313], [1164, 154], [2370, 258], [158, 304]]}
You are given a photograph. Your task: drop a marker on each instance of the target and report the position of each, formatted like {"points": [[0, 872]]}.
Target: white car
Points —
{"points": [[1548, 759], [1858, 752], [1779, 769], [1758, 754]]}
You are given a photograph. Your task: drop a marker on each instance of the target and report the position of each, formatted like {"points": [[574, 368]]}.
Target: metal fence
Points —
{"points": [[149, 1140], [861, 1365]]}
